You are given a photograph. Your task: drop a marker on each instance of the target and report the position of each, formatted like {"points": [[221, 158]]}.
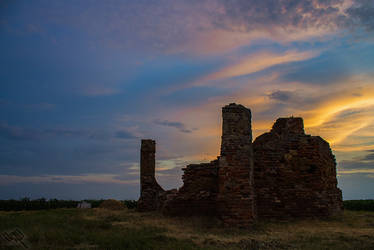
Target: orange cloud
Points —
{"points": [[337, 112], [255, 63]]}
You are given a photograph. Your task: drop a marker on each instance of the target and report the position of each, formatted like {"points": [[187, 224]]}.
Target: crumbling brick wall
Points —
{"points": [[295, 173], [284, 173], [198, 194]]}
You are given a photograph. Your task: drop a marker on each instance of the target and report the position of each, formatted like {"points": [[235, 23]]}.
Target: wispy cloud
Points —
{"points": [[178, 125], [357, 171], [67, 179], [17, 133], [260, 61], [124, 134], [363, 164], [12, 132], [94, 90]]}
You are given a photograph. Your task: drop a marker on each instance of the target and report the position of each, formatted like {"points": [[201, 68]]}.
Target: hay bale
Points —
{"points": [[112, 205]]}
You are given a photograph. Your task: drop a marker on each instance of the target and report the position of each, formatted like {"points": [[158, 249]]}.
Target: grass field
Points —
{"points": [[128, 229]]}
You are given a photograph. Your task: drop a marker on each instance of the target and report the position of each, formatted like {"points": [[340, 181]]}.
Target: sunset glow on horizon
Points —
{"points": [[82, 82]]}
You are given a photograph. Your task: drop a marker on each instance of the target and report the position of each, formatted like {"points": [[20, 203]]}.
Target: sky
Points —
{"points": [[83, 81]]}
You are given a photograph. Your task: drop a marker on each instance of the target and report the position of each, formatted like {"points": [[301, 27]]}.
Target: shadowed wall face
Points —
{"points": [[295, 173], [236, 194], [147, 160], [149, 188], [198, 195]]}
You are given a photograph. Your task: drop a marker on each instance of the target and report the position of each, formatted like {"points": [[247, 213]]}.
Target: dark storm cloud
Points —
{"points": [[178, 125]]}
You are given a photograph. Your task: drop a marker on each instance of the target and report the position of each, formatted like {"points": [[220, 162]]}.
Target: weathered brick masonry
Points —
{"points": [[150, 190], [198, 194], [295, 173], [235, 200], [284, 173]]}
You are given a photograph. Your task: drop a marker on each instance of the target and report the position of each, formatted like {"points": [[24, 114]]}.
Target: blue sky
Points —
{"points": [[83, 81]]}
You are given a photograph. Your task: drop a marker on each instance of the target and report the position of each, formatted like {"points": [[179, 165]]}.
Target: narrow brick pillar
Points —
{"points": [[236, 203], [149, 188]]}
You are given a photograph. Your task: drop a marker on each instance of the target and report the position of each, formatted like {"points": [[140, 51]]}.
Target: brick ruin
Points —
{"points": [[150, 189], [283, 173], [295, 173]]}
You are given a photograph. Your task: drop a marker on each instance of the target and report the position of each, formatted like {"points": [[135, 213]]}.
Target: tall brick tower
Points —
{"points": [[236, 203], [149, 188]]}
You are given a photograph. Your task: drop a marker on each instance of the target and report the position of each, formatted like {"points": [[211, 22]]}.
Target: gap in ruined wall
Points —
{"points": [[169, 167], [169, 177]]}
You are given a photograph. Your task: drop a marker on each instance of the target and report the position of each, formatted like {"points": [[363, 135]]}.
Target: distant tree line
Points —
{"points": [[40, 204], [359, 205]]}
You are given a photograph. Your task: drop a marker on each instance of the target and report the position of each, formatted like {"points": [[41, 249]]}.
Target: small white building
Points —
{"points": [[84, 204]]}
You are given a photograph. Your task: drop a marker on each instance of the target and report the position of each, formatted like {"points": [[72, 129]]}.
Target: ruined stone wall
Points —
{"points": [[284, 173], [235, 200], [198, 194], [295, 173], [150, 190]]}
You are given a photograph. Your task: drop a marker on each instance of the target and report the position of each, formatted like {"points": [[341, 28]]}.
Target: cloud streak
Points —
{"points": [[178, 125], [67, 179], [29, 134], [260, 61]]}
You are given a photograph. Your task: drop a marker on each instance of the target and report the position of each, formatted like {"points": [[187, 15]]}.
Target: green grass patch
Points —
{"points": [[127, 229]]}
